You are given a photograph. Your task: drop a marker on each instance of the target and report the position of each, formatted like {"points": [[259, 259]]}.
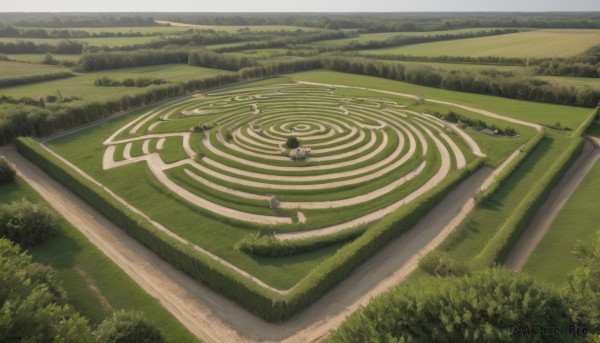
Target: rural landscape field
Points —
{"points": [[185, 176]]}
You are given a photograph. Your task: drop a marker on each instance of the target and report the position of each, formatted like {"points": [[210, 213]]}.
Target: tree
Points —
{"points": [[26, 223], [292, 142], [7, 172], [478, 308], [29, 311], [127, 327]]}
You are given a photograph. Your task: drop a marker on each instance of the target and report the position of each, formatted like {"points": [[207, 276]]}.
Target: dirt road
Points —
{"points": [[212, 317], [544, 217]]}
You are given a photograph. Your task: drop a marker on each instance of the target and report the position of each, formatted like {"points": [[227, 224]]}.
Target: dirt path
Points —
{"points": [[545, 216], [212, 317]]}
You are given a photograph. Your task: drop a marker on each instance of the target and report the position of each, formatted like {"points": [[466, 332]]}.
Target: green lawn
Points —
{"points": [[81, 266], [17, 69], [546, 114], [578, 220], [83, 84], [539, 43]]}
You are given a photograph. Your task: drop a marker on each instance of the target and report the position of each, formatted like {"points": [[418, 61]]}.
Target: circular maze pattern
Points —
{"points": [[359, 158]]}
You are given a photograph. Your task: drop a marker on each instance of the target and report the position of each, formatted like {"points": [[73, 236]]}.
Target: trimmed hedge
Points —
{"points": [[485, 194], [15, 81], [266, 245], [267, 304], [587, 122], [500, 244]]}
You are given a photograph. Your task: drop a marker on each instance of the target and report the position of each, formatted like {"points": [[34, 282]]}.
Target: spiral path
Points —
{"points": [[359, 158]]}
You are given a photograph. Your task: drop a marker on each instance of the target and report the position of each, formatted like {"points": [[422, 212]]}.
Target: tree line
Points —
{"points": [[586, 64], [29, 47]]}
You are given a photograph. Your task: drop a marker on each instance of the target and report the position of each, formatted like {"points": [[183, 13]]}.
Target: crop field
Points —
{"points": [[539, 43], [82, 85], [16, 69], [365, 157]]}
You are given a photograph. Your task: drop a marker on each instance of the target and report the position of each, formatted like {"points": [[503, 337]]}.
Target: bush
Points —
{"points": [[7, 172], [439, 264], [127, 327], [26, 223], [292, 142]]}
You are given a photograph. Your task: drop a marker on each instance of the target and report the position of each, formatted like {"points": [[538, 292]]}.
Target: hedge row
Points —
{"points": [[587, 122], [266, 304], [496, 248], [485, 194], [266, 245], [22, 80]]}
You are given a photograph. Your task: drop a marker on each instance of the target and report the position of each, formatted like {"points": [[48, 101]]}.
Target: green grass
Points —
{"points": [[540, 43], [235, 28], [382, 36], [100, 41], [594, 129], [69, 251], [464, 66], [83, 86], [146, 30], [577, 220], [17, 69], [545, 114], [470, 237], [572, 81]]}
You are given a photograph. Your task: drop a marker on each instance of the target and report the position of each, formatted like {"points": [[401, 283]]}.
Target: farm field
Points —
{"points": [[577, 221], [539, 43], [145, 30], [83, 84], [39, 58], [100, 41], [16, 69], [234, 28], [95, 286], [382, 36]]}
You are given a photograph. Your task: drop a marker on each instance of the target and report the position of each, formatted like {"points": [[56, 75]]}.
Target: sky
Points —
{"points": [[297, 6]]}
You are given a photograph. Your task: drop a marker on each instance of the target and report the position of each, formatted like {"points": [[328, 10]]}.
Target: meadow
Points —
{"points": [[539, 43], [15, 69]]}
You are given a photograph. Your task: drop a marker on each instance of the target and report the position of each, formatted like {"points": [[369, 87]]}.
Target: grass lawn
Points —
{"points": [[539, 43], [17, 69], [83, 86], [577, 220], [545, 114], [81, 266]]}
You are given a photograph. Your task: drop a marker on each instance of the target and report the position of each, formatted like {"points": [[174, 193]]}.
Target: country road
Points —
{"points": [[214, 318]]}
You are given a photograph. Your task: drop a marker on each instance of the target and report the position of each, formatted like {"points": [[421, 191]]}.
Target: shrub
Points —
{"points": [[7, 172], [26, 223], [292, 142], [440, 264], [128, 327]]}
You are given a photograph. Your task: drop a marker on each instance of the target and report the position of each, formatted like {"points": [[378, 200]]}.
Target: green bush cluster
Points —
{"points": [[485, 194], [7, 172], [266, 304], [440, 264], [140, 82], [26, 223], [497, 247], [268, 246], [22, 80]]}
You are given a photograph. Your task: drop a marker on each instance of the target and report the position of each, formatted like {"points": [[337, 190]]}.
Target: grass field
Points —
{"points": [[544, 114], [234, 28], [146, 30], [577, 220], [81, 265], [382, 36], [540, 43], [16, 69], [83, 86]]}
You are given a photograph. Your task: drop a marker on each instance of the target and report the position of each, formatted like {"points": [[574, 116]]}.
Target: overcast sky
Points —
{"points": [[295, 5]]}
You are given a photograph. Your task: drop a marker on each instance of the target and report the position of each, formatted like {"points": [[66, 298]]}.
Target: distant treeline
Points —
{"points": [[28, 47], [394, 22], [80, 20], [491, 82], [586, 64], [21, 80], [406, 39], [13, 32]]}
